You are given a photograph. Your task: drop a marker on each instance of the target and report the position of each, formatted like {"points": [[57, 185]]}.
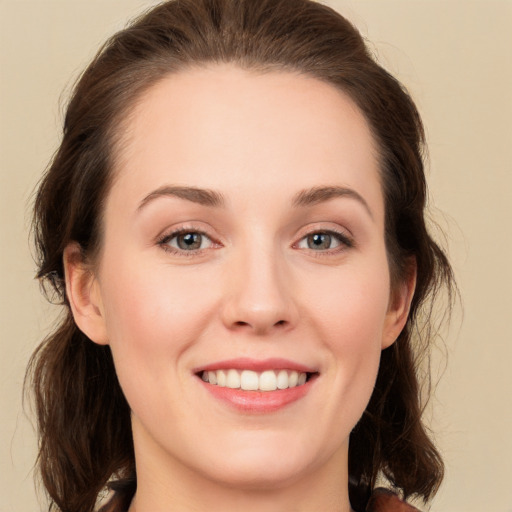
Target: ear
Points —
{"points": [[83, 293], [399, 306]]}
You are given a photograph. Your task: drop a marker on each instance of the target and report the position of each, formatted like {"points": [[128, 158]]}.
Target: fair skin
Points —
{"points": [[244, 231]]}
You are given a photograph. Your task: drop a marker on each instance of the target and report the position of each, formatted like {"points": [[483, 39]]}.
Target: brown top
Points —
{"points": [[383, 500]]}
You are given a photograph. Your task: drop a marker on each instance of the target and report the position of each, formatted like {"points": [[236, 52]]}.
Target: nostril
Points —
{"points": [[241, 323]]}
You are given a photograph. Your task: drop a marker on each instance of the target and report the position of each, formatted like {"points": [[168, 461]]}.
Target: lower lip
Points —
{"points": [[258, 401]]}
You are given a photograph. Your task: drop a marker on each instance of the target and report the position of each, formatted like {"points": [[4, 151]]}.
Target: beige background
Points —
{"points": [[455, 57]]}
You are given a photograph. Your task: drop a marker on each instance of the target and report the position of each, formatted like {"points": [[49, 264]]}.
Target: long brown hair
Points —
{"points": [[83, 417]]}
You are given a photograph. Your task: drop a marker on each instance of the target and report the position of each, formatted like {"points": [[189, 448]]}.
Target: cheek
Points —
{"points": [[152, 317], [351, 315], [149, 300], [351, 306]]}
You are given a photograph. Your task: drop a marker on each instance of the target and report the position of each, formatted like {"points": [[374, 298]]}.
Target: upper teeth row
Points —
{"points": [[248, 380]]}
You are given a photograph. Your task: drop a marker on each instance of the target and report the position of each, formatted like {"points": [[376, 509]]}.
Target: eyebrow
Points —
{"points": [[316, 195], [212, 198], [201, 196]]}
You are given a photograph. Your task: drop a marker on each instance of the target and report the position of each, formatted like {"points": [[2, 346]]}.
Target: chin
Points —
{"points": [[257, 464], [263, 474]]}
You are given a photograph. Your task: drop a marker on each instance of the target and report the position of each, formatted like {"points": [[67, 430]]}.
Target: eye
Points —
{"points": [[187, 241], [324, 241]]}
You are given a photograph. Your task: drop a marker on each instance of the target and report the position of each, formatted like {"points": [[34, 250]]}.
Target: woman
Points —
{"points": [[234, 222]]}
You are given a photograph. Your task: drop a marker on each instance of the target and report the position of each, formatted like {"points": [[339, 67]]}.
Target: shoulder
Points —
{"points": [[383, 500]]}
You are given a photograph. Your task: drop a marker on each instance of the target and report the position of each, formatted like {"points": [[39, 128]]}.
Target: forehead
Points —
{"points": [[221, 126]]}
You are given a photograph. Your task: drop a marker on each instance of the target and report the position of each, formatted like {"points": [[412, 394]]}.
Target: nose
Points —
{"points": [[259, 298]]}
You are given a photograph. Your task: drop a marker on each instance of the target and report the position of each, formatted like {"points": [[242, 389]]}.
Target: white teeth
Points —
{"points": [[233, 379], [268, 381], [249, 380], [221, 378], [282, 379]]}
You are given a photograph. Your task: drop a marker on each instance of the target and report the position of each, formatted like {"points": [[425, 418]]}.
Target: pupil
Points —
{"points": [[189, 241], [319, 241]]}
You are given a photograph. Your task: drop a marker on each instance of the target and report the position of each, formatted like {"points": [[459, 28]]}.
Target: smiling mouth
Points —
{"points": [[249, 380]]}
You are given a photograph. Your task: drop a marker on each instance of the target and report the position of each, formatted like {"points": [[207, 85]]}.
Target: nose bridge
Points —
{"points": [[259, 296]]}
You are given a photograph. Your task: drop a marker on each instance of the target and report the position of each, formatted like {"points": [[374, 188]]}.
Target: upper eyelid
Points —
{"points": [[337, 234], [171, 231], [324, 227], [175, 232]]}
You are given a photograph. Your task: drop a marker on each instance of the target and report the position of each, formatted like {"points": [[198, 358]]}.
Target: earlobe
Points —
{"points": [[83, 293], [399, 306]]}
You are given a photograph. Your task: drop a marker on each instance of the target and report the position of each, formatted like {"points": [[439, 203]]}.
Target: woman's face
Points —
{"points": [[244, 245]]}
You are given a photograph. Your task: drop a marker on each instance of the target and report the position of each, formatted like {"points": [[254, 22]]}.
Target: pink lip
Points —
{"points": [[243, 363], [257, 401]]}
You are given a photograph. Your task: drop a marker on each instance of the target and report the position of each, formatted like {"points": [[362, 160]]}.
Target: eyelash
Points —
{"points": [[345, 242], [164, 240]]}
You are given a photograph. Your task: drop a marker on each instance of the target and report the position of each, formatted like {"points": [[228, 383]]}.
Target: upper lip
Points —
{"points": [[257, 365]]}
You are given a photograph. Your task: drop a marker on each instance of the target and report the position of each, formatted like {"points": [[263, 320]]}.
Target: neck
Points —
{"points": [[305, 496]]}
